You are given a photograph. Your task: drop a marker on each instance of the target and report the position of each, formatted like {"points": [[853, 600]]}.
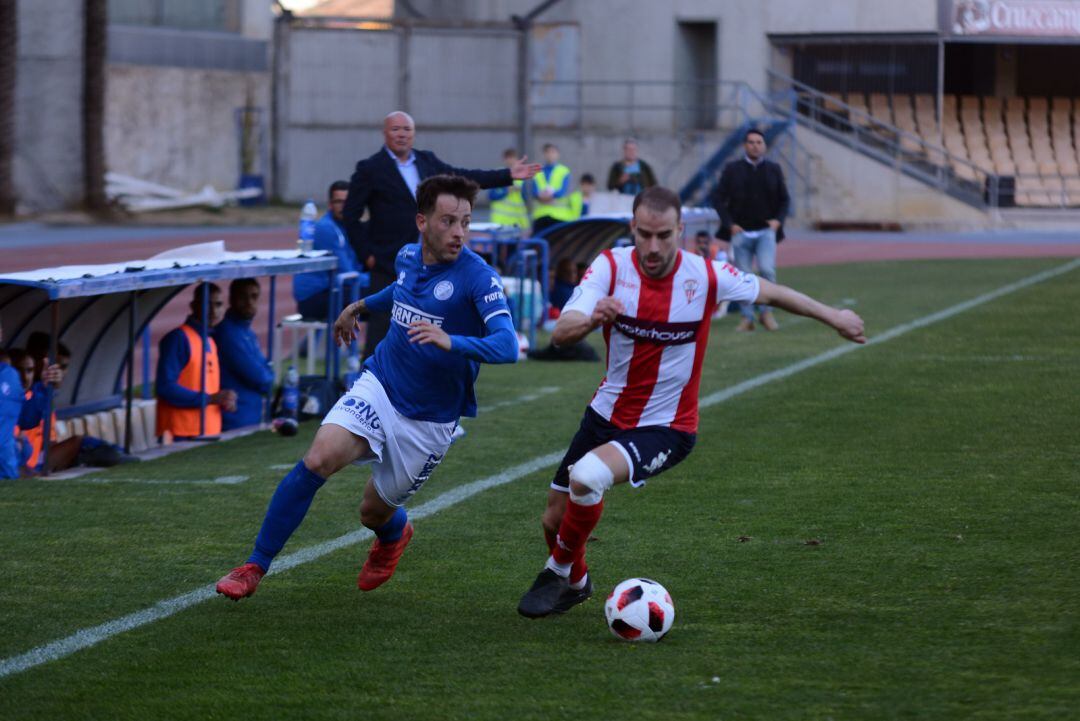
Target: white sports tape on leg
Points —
{"points": [[595, 475]]}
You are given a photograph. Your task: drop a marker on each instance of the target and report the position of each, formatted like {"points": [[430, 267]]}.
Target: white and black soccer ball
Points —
{"points": [[639, 609]]}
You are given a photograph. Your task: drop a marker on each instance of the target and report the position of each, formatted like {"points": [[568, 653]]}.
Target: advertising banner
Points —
{"points": [[989, 19]]}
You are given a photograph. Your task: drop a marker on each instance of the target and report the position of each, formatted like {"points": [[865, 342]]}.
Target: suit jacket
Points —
{"points": [[378, 186], [731, 195]]}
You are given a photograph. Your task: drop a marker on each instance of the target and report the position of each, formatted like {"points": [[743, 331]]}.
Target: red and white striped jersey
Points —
{"points": [[656, 346]]}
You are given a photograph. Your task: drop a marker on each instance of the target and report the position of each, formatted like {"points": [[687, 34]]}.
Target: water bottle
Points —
{"points": [[290, 393], [286, 423], [306, 238]]}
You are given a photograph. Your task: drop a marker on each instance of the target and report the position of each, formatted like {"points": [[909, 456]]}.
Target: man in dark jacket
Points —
{"points": [[631, 174], [385, 185], [753, 201], [244, 368]]}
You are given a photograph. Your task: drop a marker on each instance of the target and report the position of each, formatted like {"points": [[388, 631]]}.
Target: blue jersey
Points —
{"points": [[424, 382], [11, 403]]}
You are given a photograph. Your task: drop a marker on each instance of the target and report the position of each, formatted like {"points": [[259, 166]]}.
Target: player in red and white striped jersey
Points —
{"points": [[655, 303]]}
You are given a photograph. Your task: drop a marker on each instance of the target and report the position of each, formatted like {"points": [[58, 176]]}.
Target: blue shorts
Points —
{"points": [[649, 450]]}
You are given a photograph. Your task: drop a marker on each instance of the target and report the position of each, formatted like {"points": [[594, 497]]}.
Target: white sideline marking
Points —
{"points": [[895, 331], [87, 637], [535, 395], [219, 481]]}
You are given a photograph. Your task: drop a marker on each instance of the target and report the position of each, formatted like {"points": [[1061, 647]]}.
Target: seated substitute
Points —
{"points": [[244, 368], [448, 315], [312, 290], [11, 403], [179, 375]]}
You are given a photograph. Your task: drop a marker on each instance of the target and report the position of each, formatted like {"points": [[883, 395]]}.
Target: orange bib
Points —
{"points": [[184, 422]]}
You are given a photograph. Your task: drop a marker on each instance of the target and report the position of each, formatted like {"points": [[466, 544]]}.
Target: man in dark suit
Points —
{"points": [[753, 201], [385, 185]]}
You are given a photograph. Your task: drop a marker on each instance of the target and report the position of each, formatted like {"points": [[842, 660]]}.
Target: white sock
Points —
{"points": [[563, 569], [581, 583]]}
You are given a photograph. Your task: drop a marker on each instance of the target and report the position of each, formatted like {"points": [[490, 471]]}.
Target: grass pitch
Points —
{"points": [[909, 515]]}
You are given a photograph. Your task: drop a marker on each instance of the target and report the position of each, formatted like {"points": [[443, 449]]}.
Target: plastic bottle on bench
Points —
{"points": [[286, 423], [306, 237]]}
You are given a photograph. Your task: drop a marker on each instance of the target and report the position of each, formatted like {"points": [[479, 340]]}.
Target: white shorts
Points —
{"points": [[404, 452]]}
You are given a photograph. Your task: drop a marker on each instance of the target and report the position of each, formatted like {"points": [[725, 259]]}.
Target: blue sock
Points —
{"points": [[392, 529], [287, 508]]}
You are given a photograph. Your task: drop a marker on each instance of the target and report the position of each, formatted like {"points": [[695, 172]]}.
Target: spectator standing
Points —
{"points": [[312, 290], [752, 201], [385, 186], [581, 198], [630, 175], [508, 203], [551, 191], [244, 368], [180, 371]]}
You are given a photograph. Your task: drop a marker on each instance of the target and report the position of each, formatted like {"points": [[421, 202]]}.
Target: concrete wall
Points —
{"points": [[624, 39], [177, 126], [851, 187], [48, 105]]}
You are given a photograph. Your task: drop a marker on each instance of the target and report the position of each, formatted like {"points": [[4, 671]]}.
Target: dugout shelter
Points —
{"points": [[99, 311]]}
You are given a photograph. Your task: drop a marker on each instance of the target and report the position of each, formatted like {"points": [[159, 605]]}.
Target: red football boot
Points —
{"points": [[382, 560], [240, 582]]}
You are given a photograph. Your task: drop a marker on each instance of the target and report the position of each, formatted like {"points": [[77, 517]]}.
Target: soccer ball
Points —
{"points": [[639, 610]]}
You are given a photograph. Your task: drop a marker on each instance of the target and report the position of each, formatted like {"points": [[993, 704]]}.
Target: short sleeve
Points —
{"points": [[733, 284], [488, 295], [594, 285]]}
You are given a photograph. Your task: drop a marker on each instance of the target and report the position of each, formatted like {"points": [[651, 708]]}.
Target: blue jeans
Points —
{"points": [[764, 247]]}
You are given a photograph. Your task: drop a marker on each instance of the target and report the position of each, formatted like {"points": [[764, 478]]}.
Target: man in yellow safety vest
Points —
{"points": [[550, 189], [508, 204]]}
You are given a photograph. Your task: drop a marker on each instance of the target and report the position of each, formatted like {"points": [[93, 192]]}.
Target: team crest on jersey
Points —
{"points": [[444, 289], [690, 288], [401, 278]]}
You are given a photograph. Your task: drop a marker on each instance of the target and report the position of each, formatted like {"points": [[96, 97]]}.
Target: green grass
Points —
{"points": [[938, 471]]}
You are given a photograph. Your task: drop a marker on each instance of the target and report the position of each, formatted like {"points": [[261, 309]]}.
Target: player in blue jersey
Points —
{"points": [[448, 315]]}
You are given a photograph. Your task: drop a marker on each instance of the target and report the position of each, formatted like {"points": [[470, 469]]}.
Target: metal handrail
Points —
{"points": [[887, 140]]}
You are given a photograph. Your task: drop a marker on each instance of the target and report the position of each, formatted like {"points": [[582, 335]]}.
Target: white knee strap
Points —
{"points": [[595, 475]]}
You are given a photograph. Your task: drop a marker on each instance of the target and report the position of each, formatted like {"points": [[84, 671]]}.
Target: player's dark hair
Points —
{"points": [[197, 298], [430, 190], [588, 178], [659, 199], [753, 131], [237, 286], [549, 145], [336, 186]]}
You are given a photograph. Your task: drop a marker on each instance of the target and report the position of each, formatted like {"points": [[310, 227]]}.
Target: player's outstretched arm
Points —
{"points": [[573, 325], [346, 324], [846, 322], [498, 346]]}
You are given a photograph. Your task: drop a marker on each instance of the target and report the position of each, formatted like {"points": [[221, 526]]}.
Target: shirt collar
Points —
{"points": [[410, 161], [759, 160]]}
